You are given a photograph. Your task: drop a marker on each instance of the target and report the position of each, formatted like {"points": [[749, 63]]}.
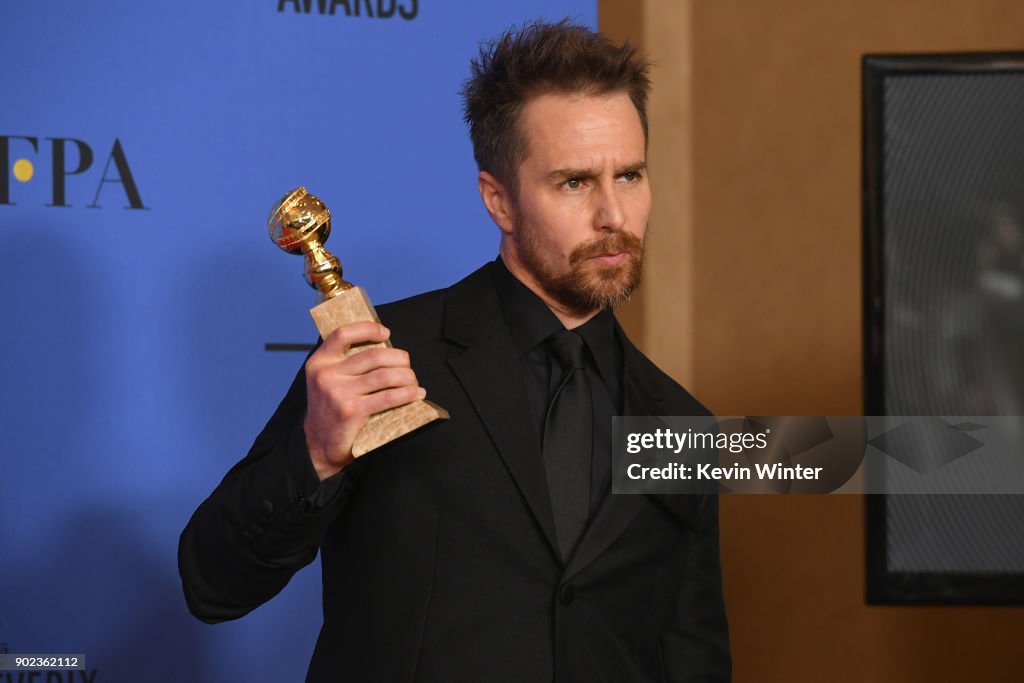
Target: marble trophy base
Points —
{"points": [[351, 306]]}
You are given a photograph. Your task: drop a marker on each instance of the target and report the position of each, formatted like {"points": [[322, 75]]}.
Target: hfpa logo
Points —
{"points": [[61, 167]]}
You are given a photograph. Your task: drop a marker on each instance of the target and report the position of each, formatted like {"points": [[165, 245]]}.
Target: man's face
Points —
{"points": [[583, 201]]}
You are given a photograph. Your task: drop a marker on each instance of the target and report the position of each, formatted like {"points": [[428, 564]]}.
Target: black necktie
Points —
{"points": [[568, 441]]}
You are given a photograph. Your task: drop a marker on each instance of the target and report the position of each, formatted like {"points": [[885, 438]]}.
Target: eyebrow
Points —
{"points": [[566, 173]]}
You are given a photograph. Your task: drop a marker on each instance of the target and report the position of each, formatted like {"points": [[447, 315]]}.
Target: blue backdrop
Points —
{"points": [[142, 146]]}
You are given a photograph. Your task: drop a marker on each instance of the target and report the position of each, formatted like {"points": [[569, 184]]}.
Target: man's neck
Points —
{"points": [[570, 318]]}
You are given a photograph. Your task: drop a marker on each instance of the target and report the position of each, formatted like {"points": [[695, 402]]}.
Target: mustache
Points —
{"points": [[613, 243]]}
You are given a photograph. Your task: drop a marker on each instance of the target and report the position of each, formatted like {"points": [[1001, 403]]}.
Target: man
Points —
{"points": [[489, 547]]}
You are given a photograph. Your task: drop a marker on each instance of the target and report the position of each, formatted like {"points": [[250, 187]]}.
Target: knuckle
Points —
{"points": [[402, 377], [339, 336], [378, 357], [379, 377], [384, 378], [351, 334], [392, 396], [316, 360], [349, 408], [318, 380]]}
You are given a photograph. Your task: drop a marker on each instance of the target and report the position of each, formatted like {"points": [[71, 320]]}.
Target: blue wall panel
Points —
{"points": [[132, 359]]}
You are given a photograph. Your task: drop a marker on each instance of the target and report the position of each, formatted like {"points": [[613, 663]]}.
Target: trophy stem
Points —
{"points": [[323, 270]]}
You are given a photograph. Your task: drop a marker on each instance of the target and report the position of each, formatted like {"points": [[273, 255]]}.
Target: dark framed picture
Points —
{"points": [[943, 202]]}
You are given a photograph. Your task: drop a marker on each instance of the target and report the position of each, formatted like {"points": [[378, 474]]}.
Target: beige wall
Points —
{"points": [[753, 301]]}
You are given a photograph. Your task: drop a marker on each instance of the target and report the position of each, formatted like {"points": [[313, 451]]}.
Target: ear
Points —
{"points": [[497, 200]]}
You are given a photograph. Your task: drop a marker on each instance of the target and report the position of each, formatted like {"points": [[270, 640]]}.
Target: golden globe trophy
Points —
{"points": [[300, 224]]}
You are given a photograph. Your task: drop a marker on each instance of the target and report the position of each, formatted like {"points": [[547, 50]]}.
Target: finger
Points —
{"points": [[392, 398], [384, 378], [337, 381], [371, 359], [346, 336]]}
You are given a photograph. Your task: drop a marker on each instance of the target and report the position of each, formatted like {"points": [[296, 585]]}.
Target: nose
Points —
{"points": [[609, 215]]}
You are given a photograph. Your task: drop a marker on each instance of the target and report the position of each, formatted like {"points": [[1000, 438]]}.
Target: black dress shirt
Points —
{"points": [[530, 323]]}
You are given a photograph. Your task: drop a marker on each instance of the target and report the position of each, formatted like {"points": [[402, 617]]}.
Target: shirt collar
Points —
{"points": [[530, 322]]}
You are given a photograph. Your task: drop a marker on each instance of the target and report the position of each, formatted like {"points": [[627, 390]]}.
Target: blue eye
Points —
{"points": [[573, 183]]}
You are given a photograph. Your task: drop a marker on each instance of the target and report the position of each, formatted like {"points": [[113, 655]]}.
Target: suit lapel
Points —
{"points": [[489, 373]]}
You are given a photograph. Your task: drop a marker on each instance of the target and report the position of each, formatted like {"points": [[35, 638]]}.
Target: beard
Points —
{"points": [[586, 285]]}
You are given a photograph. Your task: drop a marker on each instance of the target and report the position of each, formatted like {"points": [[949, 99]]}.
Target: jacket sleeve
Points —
{"points": [[262, 523], [695, 649]]}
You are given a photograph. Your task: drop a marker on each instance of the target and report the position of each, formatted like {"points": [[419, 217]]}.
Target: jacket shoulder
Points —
{"points": [[674, 398], [469, 304], [422, 311]]}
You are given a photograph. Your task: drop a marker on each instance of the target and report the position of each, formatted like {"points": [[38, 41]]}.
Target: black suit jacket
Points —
{"points": [[439, 555]]}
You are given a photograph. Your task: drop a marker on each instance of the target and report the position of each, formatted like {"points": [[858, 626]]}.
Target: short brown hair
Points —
{"points": [[540, 58]]}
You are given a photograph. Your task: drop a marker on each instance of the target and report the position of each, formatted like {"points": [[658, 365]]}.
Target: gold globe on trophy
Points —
{"points": [[300, 224]]}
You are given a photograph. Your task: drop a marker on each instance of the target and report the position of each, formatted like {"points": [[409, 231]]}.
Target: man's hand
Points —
{"points": [[344, 390]]}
